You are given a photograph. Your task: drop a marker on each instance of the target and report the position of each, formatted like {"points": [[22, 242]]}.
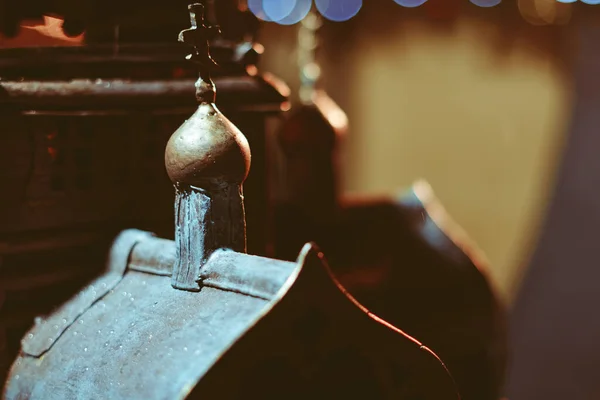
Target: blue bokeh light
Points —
{"points": [[256, 6], [591, 2], [410, 3], [301, 10], [338, 10], [277, 10], [567, 1], [486, 3]]}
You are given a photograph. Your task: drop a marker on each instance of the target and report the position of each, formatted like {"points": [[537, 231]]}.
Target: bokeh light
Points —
{"points": [[486, 3], [410, 3], [300, 11], [544, 12], [277, 10], [338, 10], [257, 8], [290, 12]]}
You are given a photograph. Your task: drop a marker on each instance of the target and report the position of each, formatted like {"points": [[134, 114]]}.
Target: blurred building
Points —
{"points": [[474, 100]]}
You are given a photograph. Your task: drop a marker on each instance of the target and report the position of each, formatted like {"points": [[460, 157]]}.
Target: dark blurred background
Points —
{"points": [[475, 100], [496, 105]]}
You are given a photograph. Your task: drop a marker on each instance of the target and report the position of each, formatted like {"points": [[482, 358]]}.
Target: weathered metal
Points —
{"points": [[247, 327], [402, 258], [258, 328], [83, 139], [206, 152]]}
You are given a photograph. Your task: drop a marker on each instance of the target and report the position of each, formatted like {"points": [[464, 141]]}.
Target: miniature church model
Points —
{"points": [[198, 317]]}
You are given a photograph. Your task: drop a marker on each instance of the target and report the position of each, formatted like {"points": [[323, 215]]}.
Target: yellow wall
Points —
{"points": [[485, 131]]}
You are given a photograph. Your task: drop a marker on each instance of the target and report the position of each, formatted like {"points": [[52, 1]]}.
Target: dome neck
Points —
{"points": [[206, 93], [205, 220]]}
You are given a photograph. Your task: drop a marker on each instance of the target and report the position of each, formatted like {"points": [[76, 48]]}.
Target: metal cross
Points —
{"points": [[198, 36]]}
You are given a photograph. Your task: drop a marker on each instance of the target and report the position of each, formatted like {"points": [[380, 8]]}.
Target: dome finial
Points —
{"points": [[198, 36], [208, 160]]}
